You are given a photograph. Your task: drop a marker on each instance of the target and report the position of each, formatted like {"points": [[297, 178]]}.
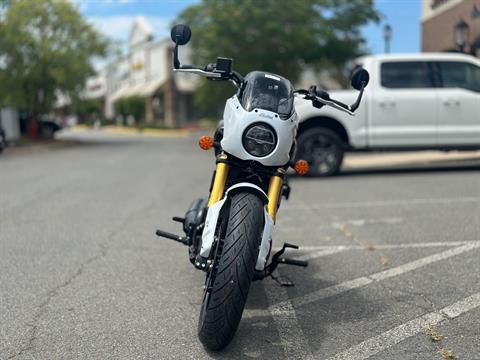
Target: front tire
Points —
{"points": [[323, 149], [229, 280]]}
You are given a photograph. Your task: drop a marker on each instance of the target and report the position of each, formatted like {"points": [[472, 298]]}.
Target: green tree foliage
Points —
{"points": [[279, 36], [132, 105], [46, 47], [87, 108]]}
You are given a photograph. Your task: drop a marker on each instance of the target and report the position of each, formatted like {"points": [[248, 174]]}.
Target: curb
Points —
{"points": [[123, 130], [408, 158]]}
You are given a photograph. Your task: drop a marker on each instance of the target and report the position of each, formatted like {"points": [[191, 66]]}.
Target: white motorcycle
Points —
{"points": [[229, 234]]}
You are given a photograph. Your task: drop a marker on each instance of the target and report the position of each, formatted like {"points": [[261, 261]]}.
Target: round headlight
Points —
{"points": [[259, 139]]}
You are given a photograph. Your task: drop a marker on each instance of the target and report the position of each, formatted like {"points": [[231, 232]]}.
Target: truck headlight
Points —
{"points": [[259, 139]]}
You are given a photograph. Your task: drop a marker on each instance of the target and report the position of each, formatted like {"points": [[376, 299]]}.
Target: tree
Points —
{"points": [[46, 49], [280, 36]]}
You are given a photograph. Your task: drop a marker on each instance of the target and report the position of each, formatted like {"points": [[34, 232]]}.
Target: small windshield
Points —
{"points": [[268, 92]]}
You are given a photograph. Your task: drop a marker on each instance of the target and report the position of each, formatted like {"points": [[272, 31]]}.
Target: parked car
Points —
{"points": [[48, 126], [414, 102]]}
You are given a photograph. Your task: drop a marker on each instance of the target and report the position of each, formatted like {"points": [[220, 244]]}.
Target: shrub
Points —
{"points": [[132, 105]]}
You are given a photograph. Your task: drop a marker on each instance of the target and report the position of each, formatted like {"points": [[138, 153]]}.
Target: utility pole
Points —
{"points": [[387, 37]]}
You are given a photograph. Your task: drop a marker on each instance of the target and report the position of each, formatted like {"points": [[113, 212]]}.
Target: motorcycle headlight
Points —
{"points": [[259, 139]]}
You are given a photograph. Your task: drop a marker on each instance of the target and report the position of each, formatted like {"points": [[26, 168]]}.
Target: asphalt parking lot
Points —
{"points": [[394, 259]]}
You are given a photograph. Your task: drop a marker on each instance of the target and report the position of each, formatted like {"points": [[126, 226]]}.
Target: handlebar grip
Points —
{"points": [[293, 262]]}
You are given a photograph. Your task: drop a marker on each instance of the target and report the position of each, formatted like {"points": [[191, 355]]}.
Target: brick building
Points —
{"points": [[451, 25], [145, 71]]}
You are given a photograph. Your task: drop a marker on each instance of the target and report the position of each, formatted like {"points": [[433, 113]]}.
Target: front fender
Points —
{"points": [[247, 187], [213, 213]]}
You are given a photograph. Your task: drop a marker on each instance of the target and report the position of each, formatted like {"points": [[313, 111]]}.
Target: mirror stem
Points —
{"points": [[355, 105], [176, 62]]}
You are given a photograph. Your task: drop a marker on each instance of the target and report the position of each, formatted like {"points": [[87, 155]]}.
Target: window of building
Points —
{"points": [[406, 75], [456, 74]]}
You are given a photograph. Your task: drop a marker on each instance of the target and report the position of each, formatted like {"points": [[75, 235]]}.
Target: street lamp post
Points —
{"points": [[387, 37], [461, 34]]}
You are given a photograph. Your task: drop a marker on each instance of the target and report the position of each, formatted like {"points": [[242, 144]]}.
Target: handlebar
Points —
{"points": [[211, 73], [198, 71], [320, 98]]}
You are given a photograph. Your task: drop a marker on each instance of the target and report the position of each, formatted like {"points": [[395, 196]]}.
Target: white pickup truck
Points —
{"points": [[413, 102]]}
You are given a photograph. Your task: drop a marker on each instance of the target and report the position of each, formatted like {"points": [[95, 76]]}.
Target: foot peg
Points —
{"points": [[292, 262], [181, 239], [281, 260]]}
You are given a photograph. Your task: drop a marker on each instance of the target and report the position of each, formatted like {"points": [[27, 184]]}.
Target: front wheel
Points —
{"points": [[229, 280], [323, 149]]}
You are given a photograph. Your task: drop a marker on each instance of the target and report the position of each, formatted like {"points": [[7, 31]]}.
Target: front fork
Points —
{"points": [[274, 192], [221, 174]]}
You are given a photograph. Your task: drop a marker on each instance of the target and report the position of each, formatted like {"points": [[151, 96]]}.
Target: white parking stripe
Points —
{"points": [[320, 253], [336, 205], [422, 262], [386, 246], [353, 222], [294, 342], [365, 280], [378, 343]]}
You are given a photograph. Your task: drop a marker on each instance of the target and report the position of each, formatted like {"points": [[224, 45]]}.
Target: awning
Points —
{"points": [[145, 89], [183, 83]]}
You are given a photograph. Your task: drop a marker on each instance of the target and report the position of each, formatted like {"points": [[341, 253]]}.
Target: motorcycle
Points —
{"points": [[229, 233]]}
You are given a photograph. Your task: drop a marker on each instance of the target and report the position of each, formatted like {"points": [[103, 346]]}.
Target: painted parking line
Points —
{"points": [[389, 246], [319, 251], [294, 342], [379, 276], [353, 222], [381, 342], [323, 250], [282, 309], [399, 202], [291, 334]]}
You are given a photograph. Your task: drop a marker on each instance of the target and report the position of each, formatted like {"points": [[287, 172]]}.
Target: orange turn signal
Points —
{"points": [[205, 142], [301, 167]]}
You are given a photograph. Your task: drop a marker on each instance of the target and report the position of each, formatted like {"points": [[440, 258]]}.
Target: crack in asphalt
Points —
{"points": [[51, 294], [409, 292]]}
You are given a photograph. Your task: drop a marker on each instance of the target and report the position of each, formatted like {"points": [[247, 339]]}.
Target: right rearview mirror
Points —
{"points": [[181, 34], [360, 78]]}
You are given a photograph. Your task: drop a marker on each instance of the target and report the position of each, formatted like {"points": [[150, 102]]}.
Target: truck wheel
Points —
{"points": [[323, 149]]}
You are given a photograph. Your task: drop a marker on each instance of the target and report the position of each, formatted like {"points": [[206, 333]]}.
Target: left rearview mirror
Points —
{"points": [[181, 34], [360, 79]]}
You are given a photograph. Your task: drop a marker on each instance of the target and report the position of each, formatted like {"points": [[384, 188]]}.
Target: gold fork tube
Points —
{"points": [[221, 174], [274, 192]]}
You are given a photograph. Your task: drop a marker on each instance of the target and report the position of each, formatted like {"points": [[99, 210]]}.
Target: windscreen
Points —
{"points": [[268, 92]]}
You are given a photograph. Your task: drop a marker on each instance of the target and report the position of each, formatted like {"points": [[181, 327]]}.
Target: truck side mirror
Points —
{"points": [[181, 34], [360, 79]]}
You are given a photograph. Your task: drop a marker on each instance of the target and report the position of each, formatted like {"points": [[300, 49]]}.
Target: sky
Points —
{"points": [[114, 18]]}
